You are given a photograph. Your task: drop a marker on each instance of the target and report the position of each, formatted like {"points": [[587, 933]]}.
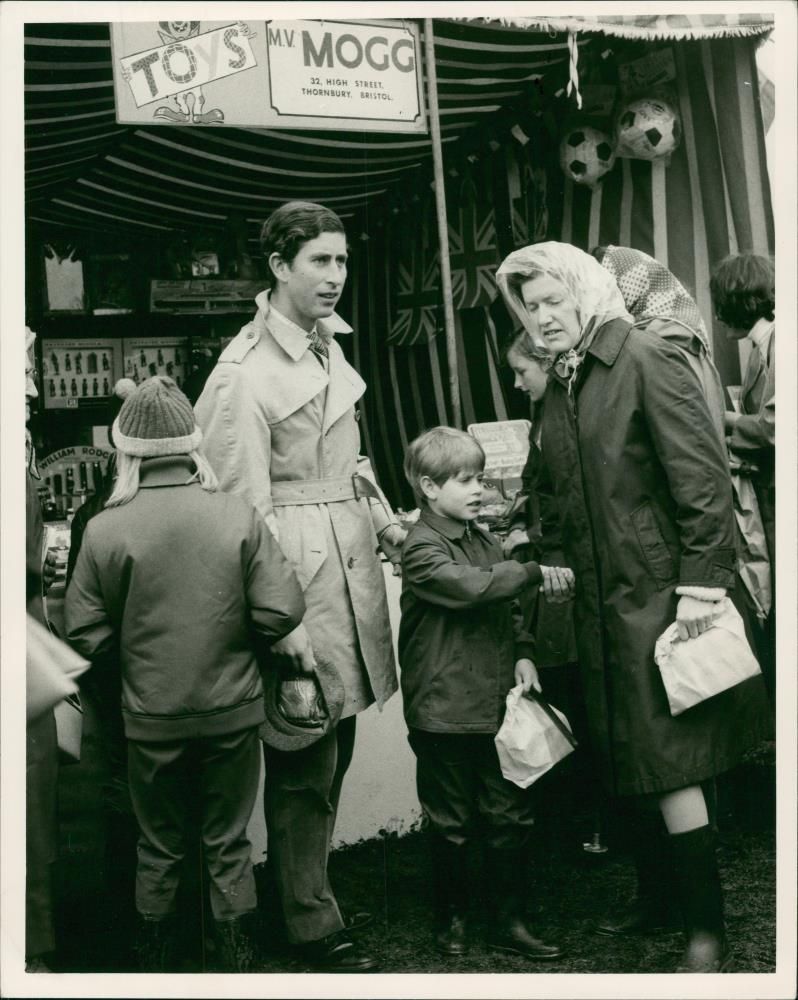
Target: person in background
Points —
{"points": [[744, 298], [183, 580], [530, 365], [41, 785], [640, 485], [459, 659], [122, 389], [550, 623], [280, 425], [101, 688], [657, 301]]}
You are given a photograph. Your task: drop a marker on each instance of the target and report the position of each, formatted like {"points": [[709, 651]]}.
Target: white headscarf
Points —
{"points": [[592, 289]]}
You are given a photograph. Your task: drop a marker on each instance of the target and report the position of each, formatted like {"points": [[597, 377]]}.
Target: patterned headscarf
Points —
{"points": [[592, 289], [650, 290]]}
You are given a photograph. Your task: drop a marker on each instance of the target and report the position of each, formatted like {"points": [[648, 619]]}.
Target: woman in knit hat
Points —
{"points": [[184, 579]]}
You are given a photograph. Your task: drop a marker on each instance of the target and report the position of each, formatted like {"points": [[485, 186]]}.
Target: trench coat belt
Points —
{"points": [[293, 492]]}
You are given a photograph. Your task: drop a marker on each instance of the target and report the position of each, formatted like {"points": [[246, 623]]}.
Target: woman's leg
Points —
{"points": [[684, 810]]}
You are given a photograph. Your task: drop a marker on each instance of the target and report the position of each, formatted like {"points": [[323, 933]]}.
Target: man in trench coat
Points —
{"points": [[280, 428]]}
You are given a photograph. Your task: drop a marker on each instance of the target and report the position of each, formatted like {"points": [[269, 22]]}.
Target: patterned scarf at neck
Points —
{"points": [[567, 366]]}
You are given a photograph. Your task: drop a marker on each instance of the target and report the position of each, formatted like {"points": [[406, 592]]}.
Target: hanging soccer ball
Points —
{"points": [[586, 155], [648, 129]]}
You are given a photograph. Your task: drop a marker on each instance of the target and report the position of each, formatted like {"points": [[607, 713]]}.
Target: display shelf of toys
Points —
{"points": [[145, 357], [78, 371], [69, 476], [204, 296]]}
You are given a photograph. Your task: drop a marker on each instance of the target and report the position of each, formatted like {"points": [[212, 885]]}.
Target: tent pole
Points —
{"points": [[443, 232]]}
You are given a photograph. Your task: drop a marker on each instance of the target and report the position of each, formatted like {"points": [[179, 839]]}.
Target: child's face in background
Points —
{"points": [[459, 497], [529, 375]]}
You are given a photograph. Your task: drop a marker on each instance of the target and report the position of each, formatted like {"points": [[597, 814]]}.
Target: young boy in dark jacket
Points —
{"points": [[184, 579], [459, 659]]}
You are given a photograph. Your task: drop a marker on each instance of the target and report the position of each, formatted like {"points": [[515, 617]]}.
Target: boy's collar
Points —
{"points": [[447, 526]]}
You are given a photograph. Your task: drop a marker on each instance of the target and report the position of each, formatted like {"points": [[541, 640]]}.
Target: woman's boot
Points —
{"points": [[450, 881], [652, 908], [701, 899], [510, 930], [236, 944]]}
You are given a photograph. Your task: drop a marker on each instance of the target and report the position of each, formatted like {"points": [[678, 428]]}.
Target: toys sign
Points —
{"points": [[291, 74], [187, 60]]}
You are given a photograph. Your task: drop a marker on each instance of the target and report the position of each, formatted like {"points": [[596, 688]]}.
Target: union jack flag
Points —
{"points": [[474, 255], [418, 297]]}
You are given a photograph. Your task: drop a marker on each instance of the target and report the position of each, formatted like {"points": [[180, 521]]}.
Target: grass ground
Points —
{"points": [[391, 877]]}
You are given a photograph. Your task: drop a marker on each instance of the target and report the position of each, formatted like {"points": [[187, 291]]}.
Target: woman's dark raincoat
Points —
{"points": [[641, 489]]}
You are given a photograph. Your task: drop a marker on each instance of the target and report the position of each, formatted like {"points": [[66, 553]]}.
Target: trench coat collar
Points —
{"points": [[611, 338], [293, 340], [447, 526], [170, 470], [760, 331]]}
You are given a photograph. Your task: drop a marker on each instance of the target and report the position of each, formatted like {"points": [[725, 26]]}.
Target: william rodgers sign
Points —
{"points": [[294, 74]]}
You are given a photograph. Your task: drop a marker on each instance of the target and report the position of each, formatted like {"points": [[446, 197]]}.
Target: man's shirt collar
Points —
{"points": [[292, 338]]}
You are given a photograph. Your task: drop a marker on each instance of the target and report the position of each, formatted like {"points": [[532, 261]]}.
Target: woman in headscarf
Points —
{"points": [[641, 486], [656, 298]]}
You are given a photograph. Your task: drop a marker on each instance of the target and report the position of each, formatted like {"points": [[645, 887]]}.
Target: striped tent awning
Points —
{"points": [[84, 170], [653, 26]]}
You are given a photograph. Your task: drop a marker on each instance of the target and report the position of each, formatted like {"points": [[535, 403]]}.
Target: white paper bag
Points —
{"points": [[696, 669], [528, 743]]}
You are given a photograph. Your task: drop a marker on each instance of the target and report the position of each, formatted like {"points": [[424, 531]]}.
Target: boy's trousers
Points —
{"points": [[460, 783], [300, 801], [224, 770]]}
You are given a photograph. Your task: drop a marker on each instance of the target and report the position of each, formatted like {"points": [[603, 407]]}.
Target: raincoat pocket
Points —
{"points": [[303, 539], [657, 555]]}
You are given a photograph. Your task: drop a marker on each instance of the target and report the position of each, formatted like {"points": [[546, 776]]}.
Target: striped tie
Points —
{"points": [[318, 345]]}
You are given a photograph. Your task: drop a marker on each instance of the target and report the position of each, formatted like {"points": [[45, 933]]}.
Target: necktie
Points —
{"points": [[319, 346]]}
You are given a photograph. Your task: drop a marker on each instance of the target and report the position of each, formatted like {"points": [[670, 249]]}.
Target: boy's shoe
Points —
{"points": [[338, 953], [452, 937], [514, 935]]}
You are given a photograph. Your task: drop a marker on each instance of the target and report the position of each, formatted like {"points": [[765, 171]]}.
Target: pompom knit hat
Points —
{"points": [[156, 420]]}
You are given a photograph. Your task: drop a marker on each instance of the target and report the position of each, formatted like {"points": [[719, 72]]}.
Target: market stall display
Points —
{"points": [[78, 370]]}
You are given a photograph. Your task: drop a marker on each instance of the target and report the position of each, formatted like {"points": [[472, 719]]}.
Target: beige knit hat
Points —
{"points": [[157, 419]]}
